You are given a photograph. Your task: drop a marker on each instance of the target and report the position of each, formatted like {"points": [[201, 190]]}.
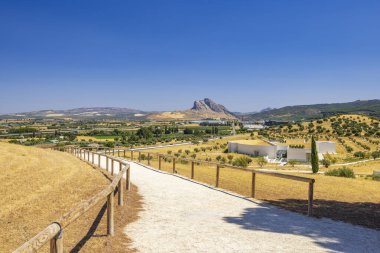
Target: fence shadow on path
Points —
{"points": [[335, 237], [359, 213]]}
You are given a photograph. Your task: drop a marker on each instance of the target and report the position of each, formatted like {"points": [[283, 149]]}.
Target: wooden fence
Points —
{"points": [[149, 155], [218, 166], [54, 232]]}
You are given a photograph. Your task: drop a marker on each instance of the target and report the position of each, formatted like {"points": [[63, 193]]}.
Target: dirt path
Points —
{"points": [[183, 216]]}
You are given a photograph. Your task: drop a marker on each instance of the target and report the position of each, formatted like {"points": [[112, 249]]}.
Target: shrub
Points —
{"points": [[375, 154], [326, 163], [359, 154], [292, 162], [341, 172], [241, 161], [261, 161]]}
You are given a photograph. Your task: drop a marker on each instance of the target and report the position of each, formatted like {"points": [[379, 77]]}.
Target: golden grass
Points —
{"points": [[362, 168], [90, 138], [37, 187]]}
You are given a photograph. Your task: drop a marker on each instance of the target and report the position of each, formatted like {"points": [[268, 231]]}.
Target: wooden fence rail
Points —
{"points": [[194, 162], [54, 232], [218, 166]]}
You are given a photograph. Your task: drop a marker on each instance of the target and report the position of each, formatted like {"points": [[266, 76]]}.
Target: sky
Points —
{"points": [[163, 55]]}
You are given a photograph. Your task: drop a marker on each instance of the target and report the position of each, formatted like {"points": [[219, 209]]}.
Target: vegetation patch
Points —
{"points": [[341, 172]]}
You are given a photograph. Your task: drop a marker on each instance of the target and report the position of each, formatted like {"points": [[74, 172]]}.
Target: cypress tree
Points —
{"points": [[314, 156]]}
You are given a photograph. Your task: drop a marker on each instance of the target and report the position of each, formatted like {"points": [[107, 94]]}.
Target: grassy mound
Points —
{"points": [[37, 186]]}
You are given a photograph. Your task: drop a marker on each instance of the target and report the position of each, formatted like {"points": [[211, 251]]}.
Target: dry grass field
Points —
{"points": [[94, 139], [352, 200], [38, 186]]}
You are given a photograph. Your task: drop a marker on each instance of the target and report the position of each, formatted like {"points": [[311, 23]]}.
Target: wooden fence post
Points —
{"points": [[112, 169], [107, 163], [120, 190], [128, 179], [192, 169], [93, 157], [148, 158], [110, 221], [113, 152], [217, 176], [56, 243], [99, 159], [131, 155], [253, 185], [159, 162], [139, 156], [310, 201], [124, 153], [173, 165], [118, 152]]}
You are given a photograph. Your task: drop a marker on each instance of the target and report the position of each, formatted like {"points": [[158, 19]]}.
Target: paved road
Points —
{"points": [[183, 216]]}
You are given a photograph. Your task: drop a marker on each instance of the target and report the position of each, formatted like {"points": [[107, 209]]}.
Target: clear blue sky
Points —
{"points": [[162, 55]]}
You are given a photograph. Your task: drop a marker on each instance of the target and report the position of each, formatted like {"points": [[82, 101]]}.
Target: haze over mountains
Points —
{"points": [[208, 109]]}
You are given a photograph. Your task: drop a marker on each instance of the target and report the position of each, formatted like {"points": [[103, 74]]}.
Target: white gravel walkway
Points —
{"points": [[183, 216]]}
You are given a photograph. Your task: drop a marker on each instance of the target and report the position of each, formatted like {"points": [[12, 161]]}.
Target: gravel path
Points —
{"points": [[183, 216]]}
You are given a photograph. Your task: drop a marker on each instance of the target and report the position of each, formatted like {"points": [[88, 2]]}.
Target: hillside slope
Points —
{"points": [[37, 187], [302, 112]]}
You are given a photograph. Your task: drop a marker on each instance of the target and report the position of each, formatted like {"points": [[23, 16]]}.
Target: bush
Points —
{"points": [[375, 154], [292, 162], [241, 161], [359, 154], [341, 172], [261, 161], [326, 163]]}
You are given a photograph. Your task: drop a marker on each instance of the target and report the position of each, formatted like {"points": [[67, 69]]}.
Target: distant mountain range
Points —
{"points": [[81, 113], [208, 109], [304, 112], [202, 109]]}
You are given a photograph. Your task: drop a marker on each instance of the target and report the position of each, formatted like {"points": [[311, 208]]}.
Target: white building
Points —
{"points": [[280, 151], [252, 127]]}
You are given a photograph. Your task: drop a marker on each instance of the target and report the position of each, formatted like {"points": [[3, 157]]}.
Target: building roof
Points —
{"points": [[252, 142]]}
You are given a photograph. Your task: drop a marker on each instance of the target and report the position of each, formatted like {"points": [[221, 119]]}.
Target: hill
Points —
{"points": [[37, 187], [305, 112], [202, 109], [351, 132]]}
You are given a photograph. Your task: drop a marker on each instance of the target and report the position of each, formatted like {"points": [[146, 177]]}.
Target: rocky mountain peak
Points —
{"points": [[209, 106]]}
